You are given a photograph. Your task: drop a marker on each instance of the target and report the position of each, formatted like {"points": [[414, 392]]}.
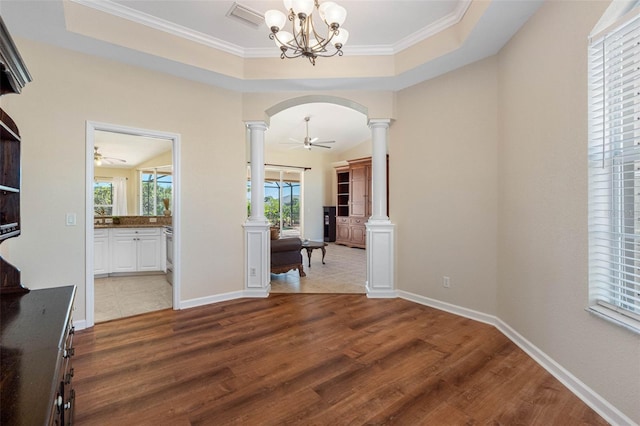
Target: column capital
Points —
{"points": [[257, 125], [379, 122]]}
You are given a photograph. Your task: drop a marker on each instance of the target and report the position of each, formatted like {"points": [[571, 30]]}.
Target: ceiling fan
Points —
{"points": [[98, 158], [308, 142]]}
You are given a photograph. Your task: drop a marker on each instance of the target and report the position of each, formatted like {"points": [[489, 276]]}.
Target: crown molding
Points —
{"points": [[107, 6], [142, 18], [432, 29]]}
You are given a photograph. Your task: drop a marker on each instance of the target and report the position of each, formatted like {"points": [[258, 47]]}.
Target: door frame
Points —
{"points": [[91, 128]]}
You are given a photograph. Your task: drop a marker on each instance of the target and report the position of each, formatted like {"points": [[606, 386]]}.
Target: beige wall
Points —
{"points": [[498, 152], [443, 193], [487, 183], [71, 88], [542, 244]]}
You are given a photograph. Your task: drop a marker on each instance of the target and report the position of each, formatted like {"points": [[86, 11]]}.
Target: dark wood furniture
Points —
{"points": [[286, 256], [13, 77], [354, 202], [36, 349], [329, 213], [309, 246]]}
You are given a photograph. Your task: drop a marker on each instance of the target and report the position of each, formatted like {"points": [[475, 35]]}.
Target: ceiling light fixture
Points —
{"points": [[304, 40]]}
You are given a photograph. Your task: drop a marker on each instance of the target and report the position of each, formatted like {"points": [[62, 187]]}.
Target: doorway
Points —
{"points": [[132, 210], [343, 134]]}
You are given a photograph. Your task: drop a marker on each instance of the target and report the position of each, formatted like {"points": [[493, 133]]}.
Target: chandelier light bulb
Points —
{"points": [[275, 20], [335, 15], [302, 7], [323, 7]]}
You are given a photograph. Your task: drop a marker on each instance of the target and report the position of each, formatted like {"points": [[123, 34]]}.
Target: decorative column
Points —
{"points": [[380, 230], [256, 229]]}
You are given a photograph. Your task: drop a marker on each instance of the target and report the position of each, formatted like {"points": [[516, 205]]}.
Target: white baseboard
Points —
{"points": [[447, 307], [380, 294], [601, 406], [79, 325], [201, 301], [257, 293]]}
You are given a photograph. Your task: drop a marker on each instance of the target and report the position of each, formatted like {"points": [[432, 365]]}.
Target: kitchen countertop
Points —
{"points": [[111, 225]]}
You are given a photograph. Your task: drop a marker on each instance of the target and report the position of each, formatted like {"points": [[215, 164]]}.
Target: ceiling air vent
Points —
{"points": [[245, 15]]}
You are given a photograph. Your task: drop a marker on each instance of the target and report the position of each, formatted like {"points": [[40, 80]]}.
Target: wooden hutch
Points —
{"points": [[36, 344], [353, 207]]}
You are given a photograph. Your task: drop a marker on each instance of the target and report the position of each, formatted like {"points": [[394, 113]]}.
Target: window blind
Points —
{"points": [[614, 173]]}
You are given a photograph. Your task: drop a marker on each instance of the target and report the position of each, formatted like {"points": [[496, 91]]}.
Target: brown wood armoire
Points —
{"points": [[353, 202]]}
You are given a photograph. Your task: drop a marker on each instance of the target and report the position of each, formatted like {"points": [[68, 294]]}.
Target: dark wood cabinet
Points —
{"points": [[36, 352], [9, 178], [354, 196], [343, 191], [354, 202], [13, 77]]}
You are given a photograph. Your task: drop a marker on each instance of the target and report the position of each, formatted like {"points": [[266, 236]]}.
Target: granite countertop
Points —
{"points": [[133, 222], [145, 225]]}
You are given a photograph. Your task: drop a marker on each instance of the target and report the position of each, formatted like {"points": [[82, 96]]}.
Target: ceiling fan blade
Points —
{"points": [[290, 143], [313, 140], [325, 142], [315, 145], [112, 160], [295, 140]]}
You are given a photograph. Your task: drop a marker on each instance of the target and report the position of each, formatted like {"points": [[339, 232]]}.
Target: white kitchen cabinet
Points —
{"points": [[150, 253], [136, 250], [101, 253]]}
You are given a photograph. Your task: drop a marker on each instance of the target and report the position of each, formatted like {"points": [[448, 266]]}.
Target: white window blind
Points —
{"points": [[614, 173]]}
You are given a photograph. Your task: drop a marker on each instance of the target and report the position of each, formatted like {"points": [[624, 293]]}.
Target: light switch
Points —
{"points": [[71, 219]]}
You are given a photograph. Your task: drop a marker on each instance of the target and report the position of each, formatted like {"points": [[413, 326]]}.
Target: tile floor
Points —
{"points": [[118, 297], [344, 271]]}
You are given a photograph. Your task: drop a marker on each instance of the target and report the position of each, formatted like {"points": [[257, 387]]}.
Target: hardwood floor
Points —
{"points": [[312, 359]]}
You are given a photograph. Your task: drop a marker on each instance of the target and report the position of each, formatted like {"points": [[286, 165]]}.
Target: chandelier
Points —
{"points": [[305, 40]]}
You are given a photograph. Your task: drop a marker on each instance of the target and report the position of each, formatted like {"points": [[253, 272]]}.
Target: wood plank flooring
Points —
{"points": [[312, 359]]}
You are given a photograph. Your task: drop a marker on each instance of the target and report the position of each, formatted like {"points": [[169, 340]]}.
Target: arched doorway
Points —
{"points": [[380, 231]]}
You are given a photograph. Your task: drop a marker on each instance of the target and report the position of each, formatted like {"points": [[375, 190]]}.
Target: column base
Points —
{"points": [[257, 259], [380, 259]]}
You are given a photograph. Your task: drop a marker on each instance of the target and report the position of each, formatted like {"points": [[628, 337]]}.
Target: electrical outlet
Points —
{"points": [[446, 282], [108, 220], [252, 272], [153, 220], [70, 219]]}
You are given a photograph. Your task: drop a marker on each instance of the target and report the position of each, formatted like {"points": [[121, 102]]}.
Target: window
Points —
{"points": [[155, 187], [614, 173], [103, 198], [281, 200]]}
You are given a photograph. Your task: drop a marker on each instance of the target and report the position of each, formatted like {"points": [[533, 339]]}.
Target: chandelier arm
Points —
{"points": [[322, 41], [304, 33]]}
